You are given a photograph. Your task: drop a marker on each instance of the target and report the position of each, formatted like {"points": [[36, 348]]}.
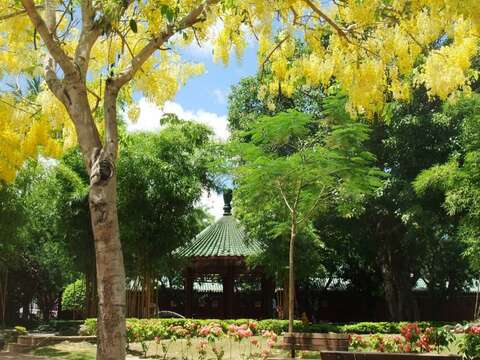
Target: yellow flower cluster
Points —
{"points": [[23, 136], [376, 50]]}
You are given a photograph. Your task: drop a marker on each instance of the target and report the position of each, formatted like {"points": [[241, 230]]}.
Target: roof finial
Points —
{"points": [[227, 199]]}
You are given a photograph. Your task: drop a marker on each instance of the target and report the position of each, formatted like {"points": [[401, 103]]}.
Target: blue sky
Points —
{"points": [[210, 90]]}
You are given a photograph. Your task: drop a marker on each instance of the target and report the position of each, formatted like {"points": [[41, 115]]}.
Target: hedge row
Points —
{"points": [[161, 327]]}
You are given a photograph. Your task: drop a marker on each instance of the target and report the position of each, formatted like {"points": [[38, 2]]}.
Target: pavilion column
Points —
{"points": [[268, 289], [228, 294], [188, 293]]}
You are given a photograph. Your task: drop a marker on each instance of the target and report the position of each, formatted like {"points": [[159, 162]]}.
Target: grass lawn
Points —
{"points": [[71, 351]]}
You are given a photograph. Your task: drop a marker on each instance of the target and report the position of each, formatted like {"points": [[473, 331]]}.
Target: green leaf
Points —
{"points": [[167, 12], [133, 25]]}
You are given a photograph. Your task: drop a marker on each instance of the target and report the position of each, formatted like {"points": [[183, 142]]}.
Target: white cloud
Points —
{"points": [[213, 203], [220, 96], [150, 114]]}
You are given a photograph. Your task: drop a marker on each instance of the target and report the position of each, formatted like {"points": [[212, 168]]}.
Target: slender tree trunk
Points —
{"points": [[291, 279], [3, 294], [110, 271], [476, 312], [291, 274]]}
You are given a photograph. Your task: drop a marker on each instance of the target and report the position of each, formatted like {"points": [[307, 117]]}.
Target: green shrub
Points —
{"points": [[470, 343], [21, 330], [371, 328], [162, 328], [73, 297], [11, 336], [90, 326]]}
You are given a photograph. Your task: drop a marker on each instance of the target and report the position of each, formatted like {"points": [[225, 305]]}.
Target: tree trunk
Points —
{"points": [[291, 274], [397, 282], [3, 294], [291, 279], [110, 271]]}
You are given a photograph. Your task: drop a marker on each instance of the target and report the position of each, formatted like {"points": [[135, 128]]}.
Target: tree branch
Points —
{"points": [[284, 197], [325, 17], [299, 190], [144, 54], [277, 46], [313, 207], [88, 36], [110, 118], [97, 99], [48, 37], [17, 13]]}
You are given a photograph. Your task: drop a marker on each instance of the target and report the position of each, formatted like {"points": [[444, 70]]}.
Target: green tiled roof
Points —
{"points": [[225, 237]]}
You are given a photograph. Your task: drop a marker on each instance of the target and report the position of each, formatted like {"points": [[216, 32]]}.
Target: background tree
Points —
{"points": [[457, 178], [75, 224], [161, 179], [11, 218], [288, 174], [38, 264], [416, 136], [74, 297]]}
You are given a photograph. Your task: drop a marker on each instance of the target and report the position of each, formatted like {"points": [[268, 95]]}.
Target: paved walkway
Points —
{"points": [[10, 356]]}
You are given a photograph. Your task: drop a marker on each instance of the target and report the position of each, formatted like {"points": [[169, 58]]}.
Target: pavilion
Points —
{"points": [[218, 253]]}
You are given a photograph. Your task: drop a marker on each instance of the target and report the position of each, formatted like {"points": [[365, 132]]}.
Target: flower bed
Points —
{"points": [[383, 337], [470, 343], [210, 334], [160, 326], [412, 339]]}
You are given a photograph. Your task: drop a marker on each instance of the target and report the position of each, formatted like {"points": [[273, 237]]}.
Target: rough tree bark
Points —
{"points": [[110, 271]]}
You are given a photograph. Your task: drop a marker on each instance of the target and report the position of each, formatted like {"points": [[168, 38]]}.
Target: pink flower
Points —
{"points": [[216, 330], [204, 331], [202, 345], [254, 342], [265, 353], [232, 328]]}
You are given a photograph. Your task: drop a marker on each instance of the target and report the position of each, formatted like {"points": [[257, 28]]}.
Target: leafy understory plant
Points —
{"points": [[470, 343]]}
